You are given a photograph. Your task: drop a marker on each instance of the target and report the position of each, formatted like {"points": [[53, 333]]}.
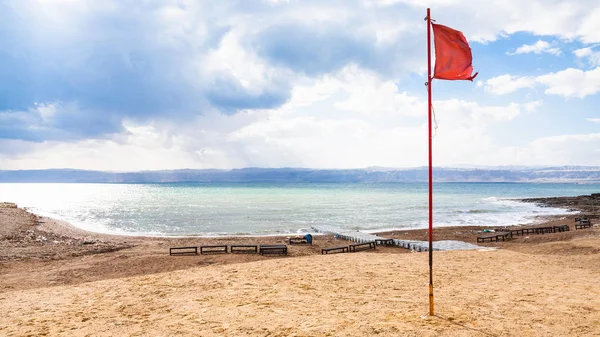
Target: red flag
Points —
{"points": [[453, 59]]}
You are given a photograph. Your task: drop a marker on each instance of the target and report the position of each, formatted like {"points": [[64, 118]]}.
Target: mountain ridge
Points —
{"points": [[550, 174]]}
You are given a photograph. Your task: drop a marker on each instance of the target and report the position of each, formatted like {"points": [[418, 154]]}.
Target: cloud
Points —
{"points": [[104, 64], [115, 85], [533, 106], [568, 20], [576, 148], [587, 53], [177, 60], [230, 95], [316, 49], [506, 84], [593, 120], [583, 52], [568, 83], [537, 48], [301, 47], [56, 121], [571, 82], [338, 121]]}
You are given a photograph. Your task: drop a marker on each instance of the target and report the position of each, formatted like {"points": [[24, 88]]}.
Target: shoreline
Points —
{"points": [[588, 204], [29, 241], [569, 204], [60, 280], [582, 204]]}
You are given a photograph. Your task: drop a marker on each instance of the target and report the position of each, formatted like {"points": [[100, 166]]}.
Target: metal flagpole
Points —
{"points": [[428, 18]]}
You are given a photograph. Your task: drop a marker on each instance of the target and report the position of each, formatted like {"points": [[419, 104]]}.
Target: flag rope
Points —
{"points": [[435, 123]]}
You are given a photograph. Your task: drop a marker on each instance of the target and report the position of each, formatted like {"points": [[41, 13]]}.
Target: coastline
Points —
{"points": [[61, 232], [59, 279], [284, 210], [66, 232], [28, 238], [38, 251], [569, 204]]}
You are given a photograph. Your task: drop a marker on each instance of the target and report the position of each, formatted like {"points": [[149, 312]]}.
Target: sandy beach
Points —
{"points": [[59, 280]]}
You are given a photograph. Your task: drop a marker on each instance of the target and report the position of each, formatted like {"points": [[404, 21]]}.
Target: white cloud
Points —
{"points": [[496, 19], [506, 84], [587, 53], [578, 148], [532, 106], [593, 120], [370, 96], [589, 28], [349, 119], [46, 110], [583, 52], [569, 83], [244, 65], [537, 48]]}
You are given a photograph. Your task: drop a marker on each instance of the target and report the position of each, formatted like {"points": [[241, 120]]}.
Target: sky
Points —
{"points": [[168, 84]]}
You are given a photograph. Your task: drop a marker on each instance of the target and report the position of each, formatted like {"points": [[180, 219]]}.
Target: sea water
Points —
{"points": [[175, 209]]}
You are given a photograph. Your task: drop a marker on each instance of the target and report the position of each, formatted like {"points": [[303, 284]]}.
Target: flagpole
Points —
{"points": [[428, 18]]}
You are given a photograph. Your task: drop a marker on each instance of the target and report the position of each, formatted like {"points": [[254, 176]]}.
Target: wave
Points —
{"points": [[477, 211]]}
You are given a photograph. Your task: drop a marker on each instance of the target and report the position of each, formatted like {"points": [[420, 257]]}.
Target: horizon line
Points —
{"points": [[466, 166]]}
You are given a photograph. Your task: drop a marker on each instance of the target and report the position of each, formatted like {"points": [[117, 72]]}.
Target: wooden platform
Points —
{"points": [[543, 230], [357, 247], [183, 251], [333, 250], [273, 249], [243, 249], [213, 249], [530, 230], [583, 225], [384, 242], [560, 228], [414, 245], [494, 237]]}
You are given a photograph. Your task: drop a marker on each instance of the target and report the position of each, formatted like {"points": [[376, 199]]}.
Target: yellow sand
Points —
{"points": [[554, 291]]}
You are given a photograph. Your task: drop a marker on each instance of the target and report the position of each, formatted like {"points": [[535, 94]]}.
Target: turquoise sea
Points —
{"points": [[270, 208]]}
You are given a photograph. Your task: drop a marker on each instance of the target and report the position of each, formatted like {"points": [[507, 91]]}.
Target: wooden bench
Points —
{"points": [[213, 249], [183, 251], [516, 232], [493, 237], [299, 241], [583, 225], [332, 250], [542, 230], [560, 228], [384, 242], [356, 247], [273, 249], [243, 249], [536, 230], [528, 231]]}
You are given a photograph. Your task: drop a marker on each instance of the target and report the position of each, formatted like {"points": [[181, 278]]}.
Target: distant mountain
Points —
{"points": [[578, 174]]}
